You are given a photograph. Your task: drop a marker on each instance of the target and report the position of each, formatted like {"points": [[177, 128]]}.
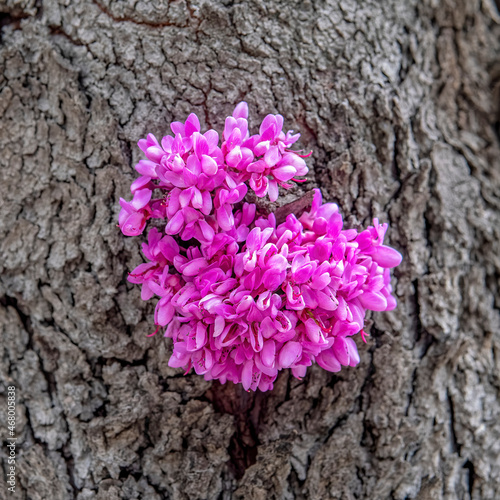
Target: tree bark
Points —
{"points": [[399, 100]]}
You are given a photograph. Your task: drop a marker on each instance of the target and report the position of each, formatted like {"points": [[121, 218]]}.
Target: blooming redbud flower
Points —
{"points": [[240, 296]]}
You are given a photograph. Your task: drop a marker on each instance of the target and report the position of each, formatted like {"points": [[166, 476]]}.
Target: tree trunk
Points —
{"points": [[399, 102]]}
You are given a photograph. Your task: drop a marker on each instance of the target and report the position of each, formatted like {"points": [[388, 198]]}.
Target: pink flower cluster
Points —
{"points": [[242, 297]]}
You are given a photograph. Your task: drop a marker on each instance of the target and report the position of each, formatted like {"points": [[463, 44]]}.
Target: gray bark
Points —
{"points": [[399, 101]]}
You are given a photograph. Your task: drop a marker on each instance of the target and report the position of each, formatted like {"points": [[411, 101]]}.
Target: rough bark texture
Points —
{"points": [[399, 101]]}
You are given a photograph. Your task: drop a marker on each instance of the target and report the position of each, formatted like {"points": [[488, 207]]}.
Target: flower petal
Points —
{"points": [[175, 223], [193, 267], [374, 301], [386, 256], [328, 361], [289, 354], [208, 165]]}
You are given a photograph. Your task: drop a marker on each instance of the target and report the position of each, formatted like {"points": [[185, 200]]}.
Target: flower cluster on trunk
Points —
{"points": [[240, 296]]}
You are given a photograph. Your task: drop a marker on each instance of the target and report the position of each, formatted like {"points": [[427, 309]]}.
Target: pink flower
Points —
{"points": [[134, 214], [275, 164], [241, 297]]}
